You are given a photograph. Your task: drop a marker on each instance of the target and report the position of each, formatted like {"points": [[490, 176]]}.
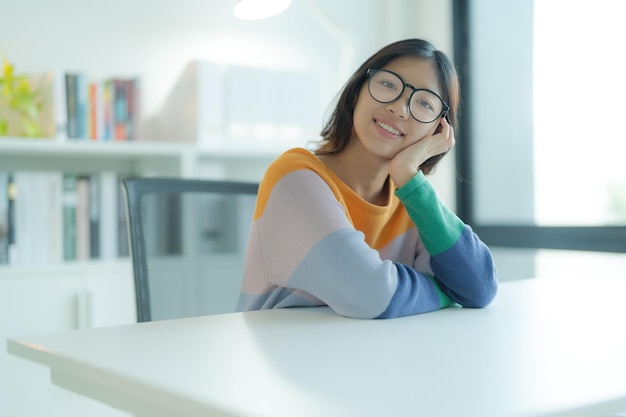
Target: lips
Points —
{"points": [[387, 128]]}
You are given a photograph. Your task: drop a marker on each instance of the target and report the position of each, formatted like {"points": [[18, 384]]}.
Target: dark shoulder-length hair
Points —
{"points": [[338, 129]]}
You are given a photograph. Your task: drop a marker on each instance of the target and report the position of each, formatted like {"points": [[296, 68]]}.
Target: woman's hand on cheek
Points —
{"points": [[406, 163]]}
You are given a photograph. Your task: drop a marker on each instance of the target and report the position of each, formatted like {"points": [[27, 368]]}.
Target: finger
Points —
{"points": [[446, 129], [449, 139]]}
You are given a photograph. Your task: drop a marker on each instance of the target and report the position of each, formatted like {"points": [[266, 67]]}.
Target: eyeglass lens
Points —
{"points": [[385, 87]]}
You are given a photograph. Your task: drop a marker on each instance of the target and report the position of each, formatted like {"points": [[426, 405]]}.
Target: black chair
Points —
{"points": [[187, 242]]}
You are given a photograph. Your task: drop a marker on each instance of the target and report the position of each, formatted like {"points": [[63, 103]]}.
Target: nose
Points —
{"points": [[400, 106]]}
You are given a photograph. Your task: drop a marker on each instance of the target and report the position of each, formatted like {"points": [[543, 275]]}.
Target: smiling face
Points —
{"points": [[384, 129]]}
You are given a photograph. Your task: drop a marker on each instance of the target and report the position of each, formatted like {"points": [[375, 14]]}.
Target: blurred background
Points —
{"points": [[537, 170]]}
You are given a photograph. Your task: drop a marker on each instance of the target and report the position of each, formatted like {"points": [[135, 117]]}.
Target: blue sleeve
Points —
{"points": [[416, 293], [466, 272]]}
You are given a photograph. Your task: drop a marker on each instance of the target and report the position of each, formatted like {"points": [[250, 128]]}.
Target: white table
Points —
{"points": [[545, 347]]}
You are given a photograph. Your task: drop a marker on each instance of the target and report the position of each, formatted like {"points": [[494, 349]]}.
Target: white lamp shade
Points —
{"points": [[260, 9]]}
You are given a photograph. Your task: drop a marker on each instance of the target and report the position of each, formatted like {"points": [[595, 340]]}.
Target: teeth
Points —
{"points": [[389, 128]]}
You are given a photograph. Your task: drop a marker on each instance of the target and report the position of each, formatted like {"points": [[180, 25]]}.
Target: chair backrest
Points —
{"points": [[187, 243]]}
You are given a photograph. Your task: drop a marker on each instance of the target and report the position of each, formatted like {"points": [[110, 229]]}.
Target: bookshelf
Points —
{"points": [[57, 157], [121, 159]]}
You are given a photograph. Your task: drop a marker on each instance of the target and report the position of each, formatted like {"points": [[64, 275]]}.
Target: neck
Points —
{"points": [[364, 175]]}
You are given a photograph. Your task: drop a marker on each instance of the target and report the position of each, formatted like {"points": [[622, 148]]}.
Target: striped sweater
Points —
{"points": [[315, 242]]}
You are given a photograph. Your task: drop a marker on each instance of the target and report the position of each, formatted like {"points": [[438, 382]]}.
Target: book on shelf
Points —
{"points": [[4, 218], [93, 209], [69, 216], [105, 110], [83, 239], [37, 218], [94, 120], [108, 215], [12, 194], [47, 217], [71, 101]]}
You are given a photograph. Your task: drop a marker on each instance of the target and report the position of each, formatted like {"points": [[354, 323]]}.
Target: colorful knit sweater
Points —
{"points": [[314, 242]]}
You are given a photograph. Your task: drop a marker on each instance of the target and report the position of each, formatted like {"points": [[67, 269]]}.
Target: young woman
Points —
{"points": [[355, 225]]}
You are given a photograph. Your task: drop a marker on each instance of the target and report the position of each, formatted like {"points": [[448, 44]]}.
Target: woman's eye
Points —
{"points": [[425, 104], [389, 85]]}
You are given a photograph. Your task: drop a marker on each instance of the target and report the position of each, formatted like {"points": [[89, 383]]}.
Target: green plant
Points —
{"points": [[19, 102]]}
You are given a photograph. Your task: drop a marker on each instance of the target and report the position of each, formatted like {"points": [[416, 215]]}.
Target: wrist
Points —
{"points": [[401, 177]]}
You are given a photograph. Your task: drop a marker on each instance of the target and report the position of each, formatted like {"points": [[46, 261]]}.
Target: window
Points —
{"points": [[579, 93], [540, 145]]}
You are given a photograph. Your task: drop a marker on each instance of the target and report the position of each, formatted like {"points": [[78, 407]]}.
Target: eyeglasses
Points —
{"points": [[385, 86]]}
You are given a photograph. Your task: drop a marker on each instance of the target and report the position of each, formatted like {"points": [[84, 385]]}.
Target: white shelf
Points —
{"points": [[68, 148], [139, 148], [131, 158], [134, 158]]}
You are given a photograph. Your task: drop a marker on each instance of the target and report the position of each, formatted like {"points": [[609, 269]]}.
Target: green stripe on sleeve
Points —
{"points": [[444, 300], [438, 226]]}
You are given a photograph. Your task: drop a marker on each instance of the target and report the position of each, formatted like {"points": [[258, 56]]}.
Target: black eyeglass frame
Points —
{"points": [[370, 73]]}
